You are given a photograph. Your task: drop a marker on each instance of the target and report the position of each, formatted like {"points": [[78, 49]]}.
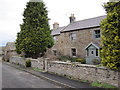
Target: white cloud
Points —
{"points": [[60, 10], [10, 18]]}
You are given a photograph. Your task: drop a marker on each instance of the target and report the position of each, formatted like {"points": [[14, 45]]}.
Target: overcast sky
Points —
{"points": [[59, 11]]}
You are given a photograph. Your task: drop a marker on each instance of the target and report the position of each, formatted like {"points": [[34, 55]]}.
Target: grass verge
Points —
{"points": [[37, 69], [102, 85]]}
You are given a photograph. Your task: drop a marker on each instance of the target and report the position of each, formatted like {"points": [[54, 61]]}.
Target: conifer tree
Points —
{"points": [[110, 53], [35, 36]]}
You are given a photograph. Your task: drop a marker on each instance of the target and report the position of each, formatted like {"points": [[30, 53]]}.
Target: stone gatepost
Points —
{"points": [[46, 64]]}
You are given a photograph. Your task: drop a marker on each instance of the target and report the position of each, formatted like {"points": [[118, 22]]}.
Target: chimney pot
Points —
{"points": [[55, 25], [72, 18]]}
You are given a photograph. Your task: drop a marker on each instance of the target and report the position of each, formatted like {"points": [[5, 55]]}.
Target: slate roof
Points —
{"points": [[57, 31], [82, 24], [78, 25]]}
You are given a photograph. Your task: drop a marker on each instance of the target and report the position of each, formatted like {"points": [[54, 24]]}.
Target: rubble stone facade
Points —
{"points": [[84, 32]]}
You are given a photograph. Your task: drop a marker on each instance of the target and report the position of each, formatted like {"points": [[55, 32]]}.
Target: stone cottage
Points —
{"points": [[78, 39], [9, 51]]}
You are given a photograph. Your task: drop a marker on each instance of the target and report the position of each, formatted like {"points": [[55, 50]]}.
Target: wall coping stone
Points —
{"points": [[80, 65], [83, 65], [60, 62], [34, 60], [18, 57]]}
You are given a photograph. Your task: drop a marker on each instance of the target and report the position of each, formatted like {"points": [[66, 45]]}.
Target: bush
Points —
{"points": [[110, 39], [8, 60], [63, 58], [28, 63], [67, 58], [83, 61], [73, 59], [96, 61]]}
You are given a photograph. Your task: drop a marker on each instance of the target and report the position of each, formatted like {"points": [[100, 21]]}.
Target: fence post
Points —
{"points": [[46, 64]]}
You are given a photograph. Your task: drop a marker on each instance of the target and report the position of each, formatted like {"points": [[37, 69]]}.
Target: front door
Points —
{"points": [[92, 52]]}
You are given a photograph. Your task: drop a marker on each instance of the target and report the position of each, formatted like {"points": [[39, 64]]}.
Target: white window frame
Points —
{"points": [[98, 35], [72, 36]]}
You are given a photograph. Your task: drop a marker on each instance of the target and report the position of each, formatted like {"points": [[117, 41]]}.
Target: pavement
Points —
{"points": [[55, 79]]}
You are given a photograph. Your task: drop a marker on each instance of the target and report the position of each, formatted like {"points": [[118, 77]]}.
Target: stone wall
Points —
{"points": [[18, 60], [84, 37], [57, 45], [84, 72], [73, 70], [37, 63]]}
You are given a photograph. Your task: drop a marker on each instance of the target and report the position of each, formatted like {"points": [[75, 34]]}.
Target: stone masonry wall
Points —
{"points": [[57, 45], [37, 63], [74, 70], [84, 72], [18, 60], [83, 38]]}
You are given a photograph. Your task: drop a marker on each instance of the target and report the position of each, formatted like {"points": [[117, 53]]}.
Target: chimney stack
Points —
{"points": [[72, 18], [55, 26]]}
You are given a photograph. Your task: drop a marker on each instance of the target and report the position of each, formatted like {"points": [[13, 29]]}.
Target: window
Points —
{"points": [[97, 33], [73, 36], [73, 52]]}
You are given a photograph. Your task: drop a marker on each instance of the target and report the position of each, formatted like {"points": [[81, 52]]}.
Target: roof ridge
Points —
{"points": [[82, 20], [65, 27], [90, 18], [82, 25]]}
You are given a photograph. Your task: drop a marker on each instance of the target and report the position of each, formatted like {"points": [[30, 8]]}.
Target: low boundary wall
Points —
{"points": [[37, 63], [17, 60], [84, 72], [73, 70]]}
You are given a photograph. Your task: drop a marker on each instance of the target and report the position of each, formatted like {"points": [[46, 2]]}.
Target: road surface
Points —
{"points": [[14, 78], [0, 74]]}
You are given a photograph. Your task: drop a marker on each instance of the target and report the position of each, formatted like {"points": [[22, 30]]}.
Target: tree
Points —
{"points": [[35, 36], [110, 53]]}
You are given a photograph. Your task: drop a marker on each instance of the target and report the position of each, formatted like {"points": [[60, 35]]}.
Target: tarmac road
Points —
{"points": [[0, 74], [14, 78]]}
